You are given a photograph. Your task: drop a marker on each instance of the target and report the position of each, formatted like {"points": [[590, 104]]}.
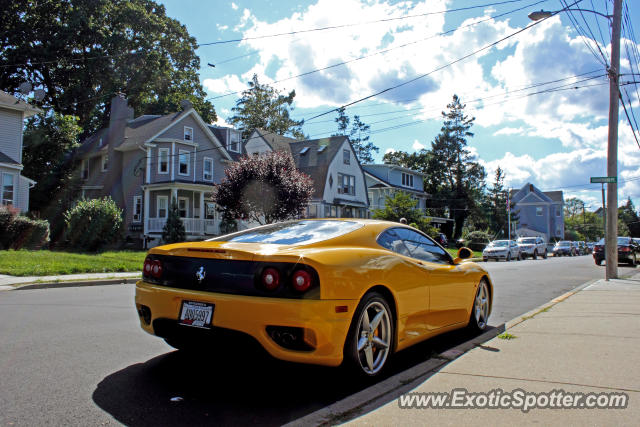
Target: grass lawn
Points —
{"points": [[43, 263]]}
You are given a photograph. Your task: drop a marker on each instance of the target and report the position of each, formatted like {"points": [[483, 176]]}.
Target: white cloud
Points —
{"points": [[222, 27], [234, 6], [509, 131], [389, 150], [417, 146], [228, 83]]}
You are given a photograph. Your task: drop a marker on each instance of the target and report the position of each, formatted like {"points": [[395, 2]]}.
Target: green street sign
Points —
{"points": [[604, 179]]}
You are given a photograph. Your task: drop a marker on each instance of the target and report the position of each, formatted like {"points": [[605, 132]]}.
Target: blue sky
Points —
{"points": [[555, 140]]}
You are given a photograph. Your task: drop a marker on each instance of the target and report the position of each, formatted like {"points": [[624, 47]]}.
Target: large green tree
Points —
{"points": [[262, 106], [47, 143], [265, 189], [359, 135], [626, 215], [83, 52], [453, 173]]}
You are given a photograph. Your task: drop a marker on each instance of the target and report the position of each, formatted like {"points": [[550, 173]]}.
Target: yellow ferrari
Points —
{"points": [[323, 291]]}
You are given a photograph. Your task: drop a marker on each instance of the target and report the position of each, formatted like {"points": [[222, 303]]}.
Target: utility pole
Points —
{"points": [[611, 234]]}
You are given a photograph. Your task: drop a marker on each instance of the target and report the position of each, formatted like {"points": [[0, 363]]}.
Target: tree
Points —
{"points": [[572, 207], [265, 189], [402, 205], [417, 160], [452, 173], [173, 230], [626, 215], [262, 106], [358, 135], [83, 52], [48, 142]]}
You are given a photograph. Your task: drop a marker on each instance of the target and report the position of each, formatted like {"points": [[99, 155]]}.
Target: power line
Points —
{"points": [[385, 51], [334, 27], [582, 35]]}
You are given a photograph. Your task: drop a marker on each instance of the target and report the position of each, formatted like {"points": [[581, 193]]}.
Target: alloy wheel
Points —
{"points": [[374, 337], [481, 306]]}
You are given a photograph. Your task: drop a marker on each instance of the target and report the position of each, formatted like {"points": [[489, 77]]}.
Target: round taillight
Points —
{"points": [[301, 281], [270, 279], [156, 268], [147, 266]]}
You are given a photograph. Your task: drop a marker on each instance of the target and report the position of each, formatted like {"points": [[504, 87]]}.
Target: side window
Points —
{"points": [[390, 240], [422, 247]]}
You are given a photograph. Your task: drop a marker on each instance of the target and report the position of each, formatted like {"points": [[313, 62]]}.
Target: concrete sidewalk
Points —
{"points": [[13, 282], [588, 342]]}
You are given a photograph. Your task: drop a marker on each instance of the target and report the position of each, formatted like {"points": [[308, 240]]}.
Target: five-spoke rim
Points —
{"points": [[374, 337], [481, 305]]}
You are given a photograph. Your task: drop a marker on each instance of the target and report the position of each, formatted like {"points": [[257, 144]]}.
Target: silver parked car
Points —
{"points": [[502, 249], [532, 247]]}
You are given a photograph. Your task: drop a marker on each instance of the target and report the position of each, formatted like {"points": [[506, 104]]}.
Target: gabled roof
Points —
{"points": [[275, 141], [13, 103], [221, 133], [384, 183], [556, 196], [6, 159], [315, 162]]}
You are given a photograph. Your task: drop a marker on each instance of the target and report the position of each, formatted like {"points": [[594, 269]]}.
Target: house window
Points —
{"points": [[407, 180], [105, 162], [184, 159], [347, 184], [183, 207], [85, 169], [163, 202], [188, 133], [137, 208], [557, 211], [234, 142], [539, 211], [346, 157], [207, 170], [7, 189], [209, 210], [163, 160]]}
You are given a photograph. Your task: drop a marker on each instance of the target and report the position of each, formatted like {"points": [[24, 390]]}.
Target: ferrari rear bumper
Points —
{"points": [[325, 323]]}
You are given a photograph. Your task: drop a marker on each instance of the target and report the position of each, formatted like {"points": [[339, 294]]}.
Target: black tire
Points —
{"points": [[352, 357], [474, 324], [535, 254], [485, 259], [544, 255], [508, 258], [598, 261]]}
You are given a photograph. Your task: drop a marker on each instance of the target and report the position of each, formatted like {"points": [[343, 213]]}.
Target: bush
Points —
{"points": [[92, 224], [20, 232]]}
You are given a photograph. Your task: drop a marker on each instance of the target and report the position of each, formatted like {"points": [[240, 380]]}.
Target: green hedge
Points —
{"points": [[92, 224], [20, 232]]}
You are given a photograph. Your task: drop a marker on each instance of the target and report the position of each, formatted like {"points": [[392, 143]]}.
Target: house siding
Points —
{"points": [[337, 166], [11, 134]]}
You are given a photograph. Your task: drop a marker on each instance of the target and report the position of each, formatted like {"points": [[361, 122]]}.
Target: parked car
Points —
{"points": [[532, 247], [319, 291], [628, 251], [502, 249], [582, 248], [564, 248], [591, 245]]}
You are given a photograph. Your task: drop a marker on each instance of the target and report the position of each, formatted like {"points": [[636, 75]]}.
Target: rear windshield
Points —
{"points": [[292, 233], [499, 243], [563, 243], [529, 240], [621, 241]]}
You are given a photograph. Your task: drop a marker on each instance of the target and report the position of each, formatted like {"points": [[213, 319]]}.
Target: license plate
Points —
{"points": [[196, 314]]}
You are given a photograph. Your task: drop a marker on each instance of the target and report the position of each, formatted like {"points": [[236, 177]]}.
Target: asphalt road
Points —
{"points": [[76, 356]]}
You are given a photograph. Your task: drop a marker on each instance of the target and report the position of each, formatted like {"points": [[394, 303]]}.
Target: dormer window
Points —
{"points": [[346, 157], [234, 142], [304, 151], [188, 133], [407, 180]]}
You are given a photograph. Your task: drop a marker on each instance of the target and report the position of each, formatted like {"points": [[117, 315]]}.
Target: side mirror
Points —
{"points": [[464, 253]]}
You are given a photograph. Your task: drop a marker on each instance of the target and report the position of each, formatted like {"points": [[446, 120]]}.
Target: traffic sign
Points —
{"points": [[604, 179]]}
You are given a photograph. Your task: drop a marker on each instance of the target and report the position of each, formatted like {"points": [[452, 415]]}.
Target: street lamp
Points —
{"points": [[611, 239]]}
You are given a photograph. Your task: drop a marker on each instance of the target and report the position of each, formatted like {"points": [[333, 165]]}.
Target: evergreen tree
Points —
{"points": [[173, 230], [358, 135], [262, 106]]}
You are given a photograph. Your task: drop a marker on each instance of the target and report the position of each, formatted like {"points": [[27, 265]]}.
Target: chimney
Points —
{"points": [[119, 115]]}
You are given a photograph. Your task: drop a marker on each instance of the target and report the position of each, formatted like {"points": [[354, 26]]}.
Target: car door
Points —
{"points": [[449, 295]]}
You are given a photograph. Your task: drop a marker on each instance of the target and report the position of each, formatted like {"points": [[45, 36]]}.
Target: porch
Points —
{"points": [[191, 225]]}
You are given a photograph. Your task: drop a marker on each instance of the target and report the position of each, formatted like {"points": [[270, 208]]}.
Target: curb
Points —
{"points": [[79, 283], [368, 399], [390, 388]]}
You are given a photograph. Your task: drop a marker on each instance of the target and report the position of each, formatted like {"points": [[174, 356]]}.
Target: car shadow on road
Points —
{"points": [[240, 386]]}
